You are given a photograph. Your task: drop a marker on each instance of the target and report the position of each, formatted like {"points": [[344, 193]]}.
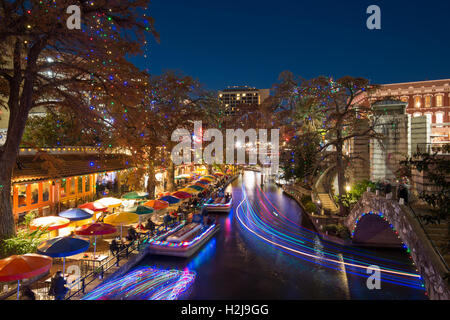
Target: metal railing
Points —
{"points": [[112, 261]]}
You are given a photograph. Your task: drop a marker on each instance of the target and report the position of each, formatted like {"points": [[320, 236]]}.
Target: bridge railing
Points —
{"points": [[422, 227], [433, 245]]}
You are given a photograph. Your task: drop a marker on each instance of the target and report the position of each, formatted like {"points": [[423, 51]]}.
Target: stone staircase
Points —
{"points": [[327, 203]]}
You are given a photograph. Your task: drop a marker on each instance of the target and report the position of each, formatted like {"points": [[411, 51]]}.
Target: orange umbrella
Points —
{"points": [[23, 267], [157, 204]]}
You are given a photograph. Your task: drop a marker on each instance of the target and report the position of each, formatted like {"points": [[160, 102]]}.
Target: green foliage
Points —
{"points": [[435, 168], [310, 207], [337, 230], [300, 159], [57, 129], [356, 192], [24, 242]]}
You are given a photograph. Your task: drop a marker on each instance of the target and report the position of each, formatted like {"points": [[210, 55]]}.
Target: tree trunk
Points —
{"points": [[19, 104], [171, 176], [341, 176], [210, 168], [151, 182]]}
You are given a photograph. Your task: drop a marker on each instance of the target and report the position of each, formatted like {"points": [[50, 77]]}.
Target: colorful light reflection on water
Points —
{"points": [[144, 283]]}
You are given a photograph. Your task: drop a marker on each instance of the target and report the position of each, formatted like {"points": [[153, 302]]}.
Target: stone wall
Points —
{"points": [[425, 258]]}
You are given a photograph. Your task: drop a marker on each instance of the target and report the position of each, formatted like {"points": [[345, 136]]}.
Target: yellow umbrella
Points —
{"points": [[110, 202], [190, 190], [207, 178], [121, 219]]}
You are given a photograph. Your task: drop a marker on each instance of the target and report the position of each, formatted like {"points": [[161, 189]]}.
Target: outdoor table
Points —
{"points": [[94, 261]]}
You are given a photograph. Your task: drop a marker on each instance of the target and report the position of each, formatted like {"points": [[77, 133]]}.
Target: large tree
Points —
{"points": [[46, 64]]}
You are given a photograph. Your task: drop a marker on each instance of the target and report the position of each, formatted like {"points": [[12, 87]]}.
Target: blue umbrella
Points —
{"points": [[75, 214], [62, 247], [170, 199]]}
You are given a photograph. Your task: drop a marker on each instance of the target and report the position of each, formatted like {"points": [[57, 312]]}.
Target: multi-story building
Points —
{"points": [[232, 97], [424, 98]]}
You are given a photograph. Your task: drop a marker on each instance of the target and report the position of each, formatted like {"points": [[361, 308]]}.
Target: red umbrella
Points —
{"points": [[93, 206], [182, 195], [23, 267], [95, 229]]}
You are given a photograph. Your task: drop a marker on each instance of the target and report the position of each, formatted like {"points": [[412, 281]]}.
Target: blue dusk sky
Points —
{"points": [[249, 42]]}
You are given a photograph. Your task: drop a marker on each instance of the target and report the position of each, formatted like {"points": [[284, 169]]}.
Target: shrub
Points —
{"points": [[337, 230], [24, 242], [310, 207]]}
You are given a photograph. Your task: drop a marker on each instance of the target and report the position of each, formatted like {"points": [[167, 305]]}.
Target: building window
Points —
{"points": [[45, 191], [439, 101], [72, 185], [416, 114], [439, 117], [22, 195], [428, 101], [80, 184], [34, 193], [63, 190], [417, 102], [86, 184], [404, 99]]}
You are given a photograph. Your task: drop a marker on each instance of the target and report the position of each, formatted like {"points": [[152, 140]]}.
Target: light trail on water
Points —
{"points": [[267, 223]]}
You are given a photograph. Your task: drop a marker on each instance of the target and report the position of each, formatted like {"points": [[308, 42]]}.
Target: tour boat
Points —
{"points": [[218, 205], [182, 241]]}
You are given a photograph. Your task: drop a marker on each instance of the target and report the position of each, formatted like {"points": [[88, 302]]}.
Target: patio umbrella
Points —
{"points": [[135, 195], [189, 190], [50, 222], [198, 188], [209, 177], [18, 267], [202, 182], [93, 206], [170, 199], [110, 202], [121, 219], [142, 210], [182, 195], [220, 174], [95, 229], [62, 247], [157, 204], [75, 214]]}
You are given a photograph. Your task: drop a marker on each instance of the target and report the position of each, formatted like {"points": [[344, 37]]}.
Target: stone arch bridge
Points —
{"points": [[409, 231]]}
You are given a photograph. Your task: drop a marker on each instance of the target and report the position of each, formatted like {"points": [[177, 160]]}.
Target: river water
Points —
{"points": [[264, 251]]}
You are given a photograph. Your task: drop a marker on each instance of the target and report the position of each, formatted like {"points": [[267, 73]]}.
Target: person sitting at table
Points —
{"points": [[167, 220], [27, 294], [150, 225], [58, 286], [132, 235], [114, 247]]}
